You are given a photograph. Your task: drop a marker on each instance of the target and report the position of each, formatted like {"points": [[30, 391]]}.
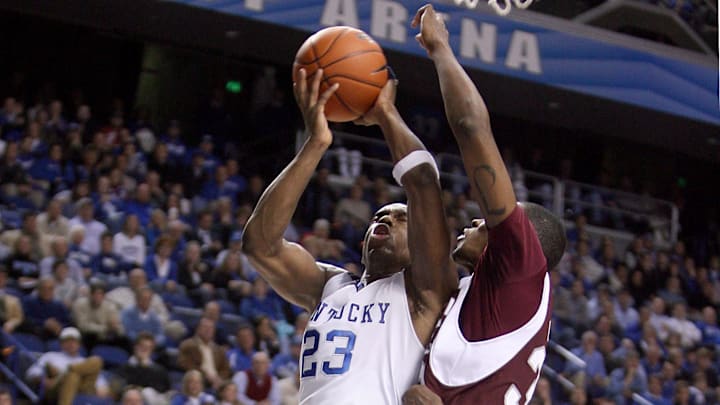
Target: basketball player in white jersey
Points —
{"points": [[364, 341], [490, 347]]}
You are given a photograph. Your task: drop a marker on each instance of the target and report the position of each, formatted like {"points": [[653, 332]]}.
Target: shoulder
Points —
{"points": [[335, 278], [516, 221], [80, 304], [11, 300]]}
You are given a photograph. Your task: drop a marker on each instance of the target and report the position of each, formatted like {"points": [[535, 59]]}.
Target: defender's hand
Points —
{"points": [[433, 33], [312, 105], [384, 105], [420, 395]]}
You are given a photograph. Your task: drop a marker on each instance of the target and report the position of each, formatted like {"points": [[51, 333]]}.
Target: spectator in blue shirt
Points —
{"points": [[220, 186], [107, 264], [668, 375], [192, 391], [261, 303], [76, 252], [595, 372], [175, 146], [139, 318], [709, 327], [285, 365], [234, 176], [206, 149], [654, 392], [624, 381], [653, 361], [22, 266], [44, 316], [140, 205], [158, 225], [88, 169], [240, 357], [159, 267], [52, 172], [625, 315], [108, 205], [33, 142]]}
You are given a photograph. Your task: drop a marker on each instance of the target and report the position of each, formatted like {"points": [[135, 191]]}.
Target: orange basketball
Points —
{"points": [[348, 56]]}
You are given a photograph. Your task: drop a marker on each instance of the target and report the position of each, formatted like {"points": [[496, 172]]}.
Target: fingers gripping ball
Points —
{"points": [[348, 56]]}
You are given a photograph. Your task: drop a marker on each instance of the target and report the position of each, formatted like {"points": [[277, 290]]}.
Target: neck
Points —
{"points": [[369, 277]]}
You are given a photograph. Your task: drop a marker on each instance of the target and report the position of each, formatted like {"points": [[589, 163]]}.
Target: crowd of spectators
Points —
{"points": [[643, 321], [108, 229], [111, 230]]}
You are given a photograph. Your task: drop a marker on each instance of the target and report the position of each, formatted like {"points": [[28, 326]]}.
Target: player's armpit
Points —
{"points": [[420, 395]]}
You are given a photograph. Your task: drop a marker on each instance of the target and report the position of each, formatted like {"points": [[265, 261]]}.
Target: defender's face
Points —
{"points": [[386, 236], [471, 244]]}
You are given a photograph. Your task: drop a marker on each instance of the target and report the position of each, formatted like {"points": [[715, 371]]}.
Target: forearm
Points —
{"points": [[400, 139], [273, 213], [465, 108], [469, 121], [428, 234]]}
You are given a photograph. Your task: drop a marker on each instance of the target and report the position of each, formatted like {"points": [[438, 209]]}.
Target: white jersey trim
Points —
{"points": [[456, 362]]}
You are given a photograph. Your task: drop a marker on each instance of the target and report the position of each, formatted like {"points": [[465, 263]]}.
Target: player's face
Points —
{"points": [[386, 237], [471, 244]]}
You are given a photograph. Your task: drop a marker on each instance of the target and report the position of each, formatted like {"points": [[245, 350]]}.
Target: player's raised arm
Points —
{"points": [[427, 229], [469, 120], [287, 266]]}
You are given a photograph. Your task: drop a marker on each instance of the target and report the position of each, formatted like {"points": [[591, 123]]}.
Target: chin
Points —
{"points": [[463, 261]]}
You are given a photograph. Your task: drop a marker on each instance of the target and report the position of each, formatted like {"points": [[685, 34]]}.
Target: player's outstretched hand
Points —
{"points": [[312, 105], [384, 105], [420, 395], [433, 33]]}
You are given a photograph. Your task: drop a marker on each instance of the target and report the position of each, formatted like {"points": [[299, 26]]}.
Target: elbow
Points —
{"points": [[254, 245], [471, 125], [249, 242]]}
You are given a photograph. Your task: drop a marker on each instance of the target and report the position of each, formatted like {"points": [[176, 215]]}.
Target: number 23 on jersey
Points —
{"points": [[337, 363]]}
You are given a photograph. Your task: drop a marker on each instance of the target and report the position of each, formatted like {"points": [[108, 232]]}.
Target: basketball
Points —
{"points": [[348, 56]]}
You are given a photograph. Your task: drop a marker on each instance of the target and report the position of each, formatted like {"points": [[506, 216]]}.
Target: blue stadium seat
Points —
{"points": [[111, 355], [52, 345], [227, 307], [178, 300], [11, 218], [176, 380], [232, 323], [29, 342], [188, 316], [82, 399], [14, 292]]}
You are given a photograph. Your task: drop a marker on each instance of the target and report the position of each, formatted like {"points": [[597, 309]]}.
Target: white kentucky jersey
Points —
{"points": [[360, 346]]}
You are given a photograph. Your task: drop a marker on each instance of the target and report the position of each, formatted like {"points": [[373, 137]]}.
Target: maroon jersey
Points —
{"points": [[491, 346]]}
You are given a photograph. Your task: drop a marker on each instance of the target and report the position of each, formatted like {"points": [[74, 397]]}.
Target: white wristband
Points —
{"points": [[412, 160]]}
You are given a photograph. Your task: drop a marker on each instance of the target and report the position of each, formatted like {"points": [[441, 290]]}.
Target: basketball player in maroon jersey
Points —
{"points": [[491, 346]]}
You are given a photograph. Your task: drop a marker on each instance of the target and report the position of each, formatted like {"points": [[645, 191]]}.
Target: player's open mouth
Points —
{"points": [[380, 231]]}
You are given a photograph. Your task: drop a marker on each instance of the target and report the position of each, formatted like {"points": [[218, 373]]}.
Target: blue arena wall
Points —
{"points": [[575, 61]]}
